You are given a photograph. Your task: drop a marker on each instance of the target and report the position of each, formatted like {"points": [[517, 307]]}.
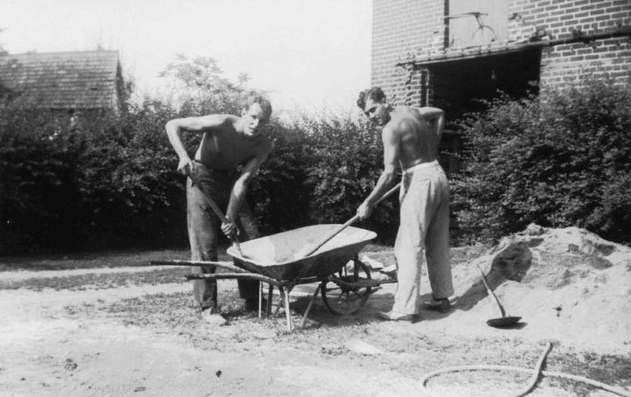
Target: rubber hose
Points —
{"points": [[531, 383]]}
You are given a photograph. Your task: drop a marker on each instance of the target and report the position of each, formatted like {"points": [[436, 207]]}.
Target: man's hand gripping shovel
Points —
{"points": [[216, 210]]}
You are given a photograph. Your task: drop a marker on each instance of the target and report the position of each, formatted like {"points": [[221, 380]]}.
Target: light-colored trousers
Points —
{"points": [[423, 237]]}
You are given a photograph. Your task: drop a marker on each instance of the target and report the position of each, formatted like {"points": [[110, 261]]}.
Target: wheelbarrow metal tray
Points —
{"points": [[278, 256]]}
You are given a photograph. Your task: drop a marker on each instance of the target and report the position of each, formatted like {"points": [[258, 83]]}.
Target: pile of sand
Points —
{"points": [[568, 285]]}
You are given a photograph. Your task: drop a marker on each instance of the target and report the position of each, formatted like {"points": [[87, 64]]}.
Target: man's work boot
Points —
{"points": [[211, 316], [438, 305], [391, 316]]}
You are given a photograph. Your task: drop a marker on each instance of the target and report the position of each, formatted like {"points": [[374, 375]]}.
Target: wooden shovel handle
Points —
{"points": [[215, 208], [349, 222], [490, 292]]}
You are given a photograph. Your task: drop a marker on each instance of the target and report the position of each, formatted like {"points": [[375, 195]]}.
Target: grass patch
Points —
{"points": [[93, 260], [137, 258], [410, 354], [96, 281], [99, 260]]}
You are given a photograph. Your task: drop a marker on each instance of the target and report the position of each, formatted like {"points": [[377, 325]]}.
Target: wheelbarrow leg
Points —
{"points": [[270, 297], [304, 317], [290, 324], [285, 295], [261, 300]]}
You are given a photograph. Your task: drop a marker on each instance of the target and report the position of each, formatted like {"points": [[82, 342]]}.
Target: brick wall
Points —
{"points": [[558, 19], [399, 28], [403, 28]]}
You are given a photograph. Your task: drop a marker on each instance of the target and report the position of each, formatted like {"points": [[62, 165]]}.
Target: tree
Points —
{"points": [[198, 85], [2, 50], [560, 160]]}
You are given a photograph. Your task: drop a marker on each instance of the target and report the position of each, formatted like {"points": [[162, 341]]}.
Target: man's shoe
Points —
{"points": [[438, 305], [211, 316], [390, 316]]}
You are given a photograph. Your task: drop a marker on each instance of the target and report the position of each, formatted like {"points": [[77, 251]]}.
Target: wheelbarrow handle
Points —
{"points": [[214, 207], [348, 223]]}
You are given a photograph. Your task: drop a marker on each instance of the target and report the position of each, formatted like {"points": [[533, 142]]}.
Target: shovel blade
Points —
{"points": [[503, 322]]}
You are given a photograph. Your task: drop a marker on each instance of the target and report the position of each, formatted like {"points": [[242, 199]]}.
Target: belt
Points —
{"points": [[419, 166], [203, 171], [228, 172]]}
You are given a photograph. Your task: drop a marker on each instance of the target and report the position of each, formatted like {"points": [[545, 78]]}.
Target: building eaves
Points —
{"points": [[483, 51]]}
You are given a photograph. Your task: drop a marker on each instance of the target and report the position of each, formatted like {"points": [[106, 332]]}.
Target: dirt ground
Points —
{"points": [[570, 287]]}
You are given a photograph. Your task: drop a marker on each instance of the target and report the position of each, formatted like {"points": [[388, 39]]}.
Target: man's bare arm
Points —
{"points": [[240, 186], [391, 155], [435, 117], [175, 127], [430, 113]]}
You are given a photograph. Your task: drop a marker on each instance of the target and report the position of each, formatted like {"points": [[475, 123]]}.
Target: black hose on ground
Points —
{"points": [[531, 382]]}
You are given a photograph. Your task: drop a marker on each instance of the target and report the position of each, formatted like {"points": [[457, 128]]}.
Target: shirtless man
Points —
{"points": [[410, 141], [227, 142]]}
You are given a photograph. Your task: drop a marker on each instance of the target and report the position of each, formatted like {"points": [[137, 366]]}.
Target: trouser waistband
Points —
{"points": [[420, 166], [224, 173]]}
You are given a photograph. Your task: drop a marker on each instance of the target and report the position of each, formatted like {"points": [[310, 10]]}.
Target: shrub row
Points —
{"points": [[110, 182], [562, 160]]}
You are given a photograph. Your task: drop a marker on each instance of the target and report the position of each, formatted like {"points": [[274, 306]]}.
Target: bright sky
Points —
{"points": [[307, 53]]}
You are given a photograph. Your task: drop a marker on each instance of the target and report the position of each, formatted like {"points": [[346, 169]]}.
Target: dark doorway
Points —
{"points": [[459, 85]]}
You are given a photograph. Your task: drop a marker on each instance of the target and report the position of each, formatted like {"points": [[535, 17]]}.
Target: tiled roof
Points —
{"points": [[62, 80]]}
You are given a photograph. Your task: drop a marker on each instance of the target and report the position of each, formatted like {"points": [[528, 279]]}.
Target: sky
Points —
{"points": [[305, 53]]}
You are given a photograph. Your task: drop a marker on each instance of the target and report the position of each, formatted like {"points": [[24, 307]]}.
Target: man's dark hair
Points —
{"points": [[374, 93], [263, 102]]}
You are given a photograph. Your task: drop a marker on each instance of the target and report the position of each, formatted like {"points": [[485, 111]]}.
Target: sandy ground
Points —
{"points": [[569, 286]]}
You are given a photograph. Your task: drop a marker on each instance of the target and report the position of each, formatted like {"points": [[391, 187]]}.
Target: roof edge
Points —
{"points": [[481, 51]]}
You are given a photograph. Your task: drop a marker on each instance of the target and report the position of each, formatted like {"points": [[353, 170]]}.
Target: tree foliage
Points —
{"points": [[2, 50], [111, 181], [106, 181], [319, 171], [199, 87], [103, 180], [34, 171], [560, 160]]}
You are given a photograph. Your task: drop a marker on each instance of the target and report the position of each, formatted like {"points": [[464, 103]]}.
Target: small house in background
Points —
{"points": [[452, 53], [69, 82]]}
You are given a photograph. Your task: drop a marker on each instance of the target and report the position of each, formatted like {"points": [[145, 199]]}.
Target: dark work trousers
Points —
{"points": [[204, 227]]}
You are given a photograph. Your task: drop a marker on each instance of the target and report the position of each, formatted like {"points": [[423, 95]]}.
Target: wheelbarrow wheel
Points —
{"points": [[344, 293]]}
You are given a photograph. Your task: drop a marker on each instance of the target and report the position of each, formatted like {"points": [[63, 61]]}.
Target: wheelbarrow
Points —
{"points": [[344, 282]]}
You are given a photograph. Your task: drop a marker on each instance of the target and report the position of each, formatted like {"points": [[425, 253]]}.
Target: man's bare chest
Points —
{"points": [[222, 152]]}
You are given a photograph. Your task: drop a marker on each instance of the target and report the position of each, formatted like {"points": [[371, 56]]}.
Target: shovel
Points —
{"points": [[309, 251], [501, 322], [216, 210]]}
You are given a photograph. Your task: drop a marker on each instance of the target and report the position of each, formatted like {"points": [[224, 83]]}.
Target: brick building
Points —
{"points": [[448, 53]]}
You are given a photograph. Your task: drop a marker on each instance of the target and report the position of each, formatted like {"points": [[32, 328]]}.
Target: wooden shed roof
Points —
{"points": [[62, 80]]}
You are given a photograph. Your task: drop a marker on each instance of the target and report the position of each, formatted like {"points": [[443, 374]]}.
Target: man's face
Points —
{"points": [[253, 119], [377, 112]]}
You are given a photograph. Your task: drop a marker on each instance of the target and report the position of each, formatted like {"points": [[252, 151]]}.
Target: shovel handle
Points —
{"points": [[215, 208], [490, 292], [330, 236], [349, 222]]}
